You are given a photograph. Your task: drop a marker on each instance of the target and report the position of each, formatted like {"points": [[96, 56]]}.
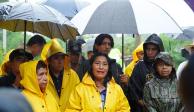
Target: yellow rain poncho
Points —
{"points": [[41, 102], [86, 98], [70, 77], [4, 63], [135, 59]]}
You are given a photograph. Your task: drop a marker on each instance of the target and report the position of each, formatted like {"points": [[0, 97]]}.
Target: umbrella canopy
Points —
{"points": [[37, 18], [68, 8], [188, 34], [125, 16]]}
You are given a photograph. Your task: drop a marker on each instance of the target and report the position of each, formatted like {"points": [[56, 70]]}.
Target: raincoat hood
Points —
{"points": [[29, 77], [135, 59], [138, 49], [51, 48], [153, 39], [87, 79]]}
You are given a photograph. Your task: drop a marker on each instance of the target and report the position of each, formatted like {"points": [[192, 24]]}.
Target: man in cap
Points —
{"points": [[62, 78], [12, 76], [76, 58]]}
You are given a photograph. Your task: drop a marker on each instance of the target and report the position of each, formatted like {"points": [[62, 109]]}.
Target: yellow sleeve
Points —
{"points": [[123, 105], [74, 104]]}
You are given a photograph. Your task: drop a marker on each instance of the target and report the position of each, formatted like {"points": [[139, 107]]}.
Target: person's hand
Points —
{"points": [[140, 102], [124, 79]]}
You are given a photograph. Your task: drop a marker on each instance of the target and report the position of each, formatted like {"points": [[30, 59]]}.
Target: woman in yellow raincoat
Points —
{"points": [[35, 81], [136, 55], [98, 91]]}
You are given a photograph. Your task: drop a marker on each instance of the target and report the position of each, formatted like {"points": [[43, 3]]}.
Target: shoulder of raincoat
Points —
{"points": [[41, 102], [86, 98], [70, 80], [161, 95], [130, 67]]}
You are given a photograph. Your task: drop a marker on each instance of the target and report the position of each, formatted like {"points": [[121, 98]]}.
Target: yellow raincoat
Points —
{"points": [[70, 77], [4, 63], [86, 98], [41, 102], [130, 67], [70, 80]]}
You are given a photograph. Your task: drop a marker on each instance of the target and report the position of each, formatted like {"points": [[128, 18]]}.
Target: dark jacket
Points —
{"points": [[141, 74], [7, 80]]}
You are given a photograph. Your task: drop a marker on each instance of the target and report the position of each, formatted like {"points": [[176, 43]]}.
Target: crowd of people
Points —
{"points": [[51, 80]]}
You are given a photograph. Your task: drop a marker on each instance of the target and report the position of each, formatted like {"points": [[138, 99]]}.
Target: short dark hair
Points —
{"points": [[36, 39], [41, 64], [99, 39], [20, 53], [109, 74]]}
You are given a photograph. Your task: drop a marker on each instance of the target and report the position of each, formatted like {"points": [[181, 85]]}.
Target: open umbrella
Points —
{"points": [[127, 17], [38, 18], [188, 34]]}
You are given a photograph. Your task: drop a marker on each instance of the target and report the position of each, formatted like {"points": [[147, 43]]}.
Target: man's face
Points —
{"points": [[35, 49], [151, 51], [42, 78], [56, 62], [74, 58], [105, 47]]}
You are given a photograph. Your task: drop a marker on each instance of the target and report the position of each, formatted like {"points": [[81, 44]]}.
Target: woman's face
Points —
{"points": [[100, 68], [163, 69]]}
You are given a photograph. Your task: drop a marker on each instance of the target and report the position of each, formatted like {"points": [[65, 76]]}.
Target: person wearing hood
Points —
{"points": [[11, 77], [62, 79], [143, 72], [160, 93], [98, 92], [136, 56], [34, 82]]}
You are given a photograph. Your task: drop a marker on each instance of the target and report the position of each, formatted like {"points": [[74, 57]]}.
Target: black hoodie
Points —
{"points": [[140, 74]]}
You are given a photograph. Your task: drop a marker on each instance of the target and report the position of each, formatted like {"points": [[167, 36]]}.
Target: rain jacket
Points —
{"points": [[142, 73], [86, 98], [130, 67], [70, 80], [41, 102], [160, 94]]}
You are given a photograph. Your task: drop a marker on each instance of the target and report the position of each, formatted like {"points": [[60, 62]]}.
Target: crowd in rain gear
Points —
{"points": [[142, 73], [69, 77], [160, 93], [40, 101], [86, 97], [135, 59]]}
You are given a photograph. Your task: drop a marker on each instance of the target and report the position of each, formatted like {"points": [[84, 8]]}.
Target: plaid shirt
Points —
{"points": [[160, 95]]}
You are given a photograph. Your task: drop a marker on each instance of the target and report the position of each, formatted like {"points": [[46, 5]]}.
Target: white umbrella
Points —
{"points": [[126, 16], [37, 18]]}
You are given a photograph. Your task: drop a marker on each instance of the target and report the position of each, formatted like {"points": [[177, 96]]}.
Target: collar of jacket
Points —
{"points": [[88, 80]]}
